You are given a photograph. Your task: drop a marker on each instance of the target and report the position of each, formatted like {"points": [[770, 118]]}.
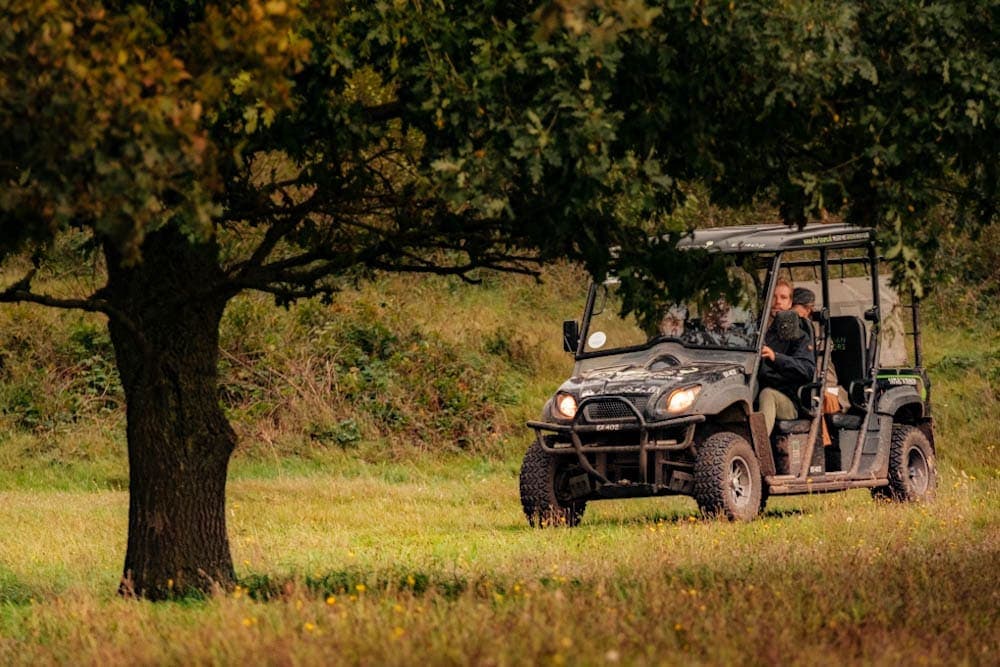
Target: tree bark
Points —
{"points": [[179, 441]]}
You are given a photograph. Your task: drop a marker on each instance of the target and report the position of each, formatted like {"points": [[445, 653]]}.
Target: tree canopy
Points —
{"points": [[382, 130], [287, 146]]}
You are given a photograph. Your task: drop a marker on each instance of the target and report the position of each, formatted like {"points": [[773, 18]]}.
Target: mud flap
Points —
{"points": [[579, 486], [878, 442], [761, 444], [681, 482]]}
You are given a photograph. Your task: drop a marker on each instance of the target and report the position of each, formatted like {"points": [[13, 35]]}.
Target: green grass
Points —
{"points": [[964, 367], [427, 563]]}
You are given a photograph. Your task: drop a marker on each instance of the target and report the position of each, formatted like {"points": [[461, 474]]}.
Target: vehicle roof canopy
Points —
{"points": [[849, 296], [775, 237]]}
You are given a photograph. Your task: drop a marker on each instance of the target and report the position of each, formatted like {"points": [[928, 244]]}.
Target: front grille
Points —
{"points": [[614, 410]]}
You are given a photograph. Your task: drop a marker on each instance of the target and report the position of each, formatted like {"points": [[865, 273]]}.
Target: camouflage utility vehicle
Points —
{"points": [[673, 411]]}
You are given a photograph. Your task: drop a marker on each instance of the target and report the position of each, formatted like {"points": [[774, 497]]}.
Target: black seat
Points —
{"points": [[847, 335], [843, 420], [788, 426]]}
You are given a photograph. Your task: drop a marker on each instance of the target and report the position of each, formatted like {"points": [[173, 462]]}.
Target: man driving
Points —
{"points": [[788, 359]]}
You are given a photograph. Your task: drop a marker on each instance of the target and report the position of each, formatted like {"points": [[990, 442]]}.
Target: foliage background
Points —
{"points": [[402, 368]]}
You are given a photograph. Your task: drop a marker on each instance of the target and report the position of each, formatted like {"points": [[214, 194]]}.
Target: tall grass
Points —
{"points": [[439, 566], [964, 367]]}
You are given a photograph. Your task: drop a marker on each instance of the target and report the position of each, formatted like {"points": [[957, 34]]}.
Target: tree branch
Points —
{"points": [[272, 237], [287, 294], [20, 292]]}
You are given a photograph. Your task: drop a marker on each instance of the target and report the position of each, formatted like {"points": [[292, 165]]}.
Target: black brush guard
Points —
{"points": [[637, 424]]}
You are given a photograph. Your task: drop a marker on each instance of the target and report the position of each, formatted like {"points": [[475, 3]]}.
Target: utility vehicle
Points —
{"points": [[673, 412]]}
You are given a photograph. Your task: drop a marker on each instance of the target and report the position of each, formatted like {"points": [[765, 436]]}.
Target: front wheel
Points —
{"points": [[727, 478], [545, 495], [912, 468]]}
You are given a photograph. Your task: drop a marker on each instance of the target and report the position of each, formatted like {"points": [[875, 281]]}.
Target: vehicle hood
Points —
{"points": [[629, 379]]}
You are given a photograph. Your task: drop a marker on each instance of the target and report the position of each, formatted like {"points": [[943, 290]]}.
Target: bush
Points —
{"points": [[360, 372], [394, 367], [966, 277]]}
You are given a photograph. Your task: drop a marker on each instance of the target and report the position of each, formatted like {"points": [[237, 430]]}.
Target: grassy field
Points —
{"points": [[366, 536], [406, 564]]}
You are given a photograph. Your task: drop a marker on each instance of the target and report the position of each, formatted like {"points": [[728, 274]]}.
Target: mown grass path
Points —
{"points": [[411, 564]]}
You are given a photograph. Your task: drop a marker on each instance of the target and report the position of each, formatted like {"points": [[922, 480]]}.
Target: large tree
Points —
{"points": [[286, 147]]}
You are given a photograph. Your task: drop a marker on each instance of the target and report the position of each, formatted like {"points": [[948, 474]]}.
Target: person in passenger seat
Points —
{"points": [[834, 396], [804, 303]]}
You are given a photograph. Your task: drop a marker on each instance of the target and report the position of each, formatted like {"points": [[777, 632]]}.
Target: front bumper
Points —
{"points": [[667, 435]]}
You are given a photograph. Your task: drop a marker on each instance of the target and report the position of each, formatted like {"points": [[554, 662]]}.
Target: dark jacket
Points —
{"points": [[794, 362]]}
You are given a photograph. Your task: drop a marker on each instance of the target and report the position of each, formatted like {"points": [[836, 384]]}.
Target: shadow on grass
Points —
{"points": [[356, 582], [782, 513], [677, 518], [656, 518], [13, 591], [646, 518]]}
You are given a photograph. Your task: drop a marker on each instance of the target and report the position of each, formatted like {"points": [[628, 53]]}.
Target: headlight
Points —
{"points": [[678, 400], [565, 406]]}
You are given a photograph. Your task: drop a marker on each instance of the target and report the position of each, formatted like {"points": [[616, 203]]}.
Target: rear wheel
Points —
{"points": [[912, 467], [727, 478], [545, 495]]}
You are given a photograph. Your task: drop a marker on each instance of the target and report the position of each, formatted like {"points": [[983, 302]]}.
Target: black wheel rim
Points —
{"points": [[740, 481], [917, 470]]}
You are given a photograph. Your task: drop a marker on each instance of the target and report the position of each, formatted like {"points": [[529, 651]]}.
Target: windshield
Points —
{"points": [[698, 323]]}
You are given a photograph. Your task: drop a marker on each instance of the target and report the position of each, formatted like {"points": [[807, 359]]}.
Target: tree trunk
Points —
{"points": [[166, 340]]}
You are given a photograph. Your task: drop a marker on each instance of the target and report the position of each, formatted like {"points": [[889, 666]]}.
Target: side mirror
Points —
{"points": [[873, 314], [571, 335]]}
